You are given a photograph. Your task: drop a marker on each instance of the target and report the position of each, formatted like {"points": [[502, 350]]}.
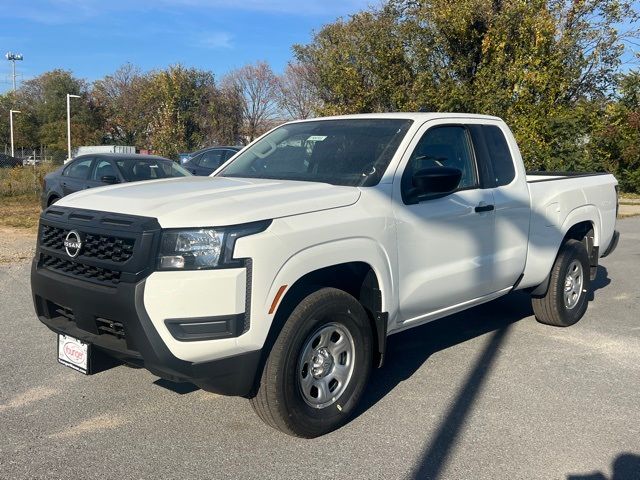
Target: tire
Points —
{"points": [[53, 199], [331, 328], [562, 308]]}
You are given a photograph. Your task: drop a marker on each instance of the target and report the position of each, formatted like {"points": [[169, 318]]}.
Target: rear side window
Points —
{"points": [[79, 169], [499, 154]]}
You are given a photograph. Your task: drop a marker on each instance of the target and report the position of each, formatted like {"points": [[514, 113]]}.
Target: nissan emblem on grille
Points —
{"points": [[73, 243]]}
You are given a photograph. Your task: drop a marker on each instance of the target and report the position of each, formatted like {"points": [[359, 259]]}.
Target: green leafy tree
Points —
{"points": [[178, 97], [43, 121], [616, 134], [545, 66]]}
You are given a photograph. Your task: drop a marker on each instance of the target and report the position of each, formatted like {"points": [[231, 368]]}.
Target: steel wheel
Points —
{"points": [[326, 365], [573, 284]]}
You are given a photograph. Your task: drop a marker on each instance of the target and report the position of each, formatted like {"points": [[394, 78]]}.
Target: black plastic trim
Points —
{"points": [[142, 344], [613, 244], [562, 175], [382, 320], [206, 328]]}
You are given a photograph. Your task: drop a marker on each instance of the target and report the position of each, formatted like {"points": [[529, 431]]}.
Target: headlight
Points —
{"points": [[203, 248]]}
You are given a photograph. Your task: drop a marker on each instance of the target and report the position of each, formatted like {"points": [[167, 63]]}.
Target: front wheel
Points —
{"points": [[318, 367], [566, 299]]}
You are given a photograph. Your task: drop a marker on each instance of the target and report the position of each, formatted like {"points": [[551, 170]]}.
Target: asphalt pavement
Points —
{"points": [[485, 394]]}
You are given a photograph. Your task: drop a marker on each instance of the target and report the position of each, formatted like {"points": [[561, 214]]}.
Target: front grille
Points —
{"points": [[101, 247], [116, 248], [76, 269]]}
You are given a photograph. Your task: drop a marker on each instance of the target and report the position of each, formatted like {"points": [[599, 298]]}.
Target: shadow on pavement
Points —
{"points": [[625, 467], [601, 281], [408, 350]]}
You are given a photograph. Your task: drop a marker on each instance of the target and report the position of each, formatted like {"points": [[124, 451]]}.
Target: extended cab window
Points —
{"points": [[79, 169], [446, 146], [499, 155], [341, 152]]}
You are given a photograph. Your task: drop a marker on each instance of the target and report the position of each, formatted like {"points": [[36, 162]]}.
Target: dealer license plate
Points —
{"points": [[73, 353]]}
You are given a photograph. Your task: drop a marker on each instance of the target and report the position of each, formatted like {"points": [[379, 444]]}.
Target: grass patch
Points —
{"points": [[629, 196], [18, 181], [21, 211]]}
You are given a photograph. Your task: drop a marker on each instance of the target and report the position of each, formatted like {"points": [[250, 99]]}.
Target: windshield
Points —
{"points": [[136, 170], [341, 152]]}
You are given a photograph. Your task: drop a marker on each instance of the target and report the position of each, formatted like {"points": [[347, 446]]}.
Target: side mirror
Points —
{"points": [[436, 180], [109, 179]]}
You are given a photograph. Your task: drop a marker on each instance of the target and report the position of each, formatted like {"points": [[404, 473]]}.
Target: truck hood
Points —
{"points": [[213, 201]]}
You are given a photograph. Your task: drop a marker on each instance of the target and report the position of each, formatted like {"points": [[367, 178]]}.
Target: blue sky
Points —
{"points": [[93, 38]]}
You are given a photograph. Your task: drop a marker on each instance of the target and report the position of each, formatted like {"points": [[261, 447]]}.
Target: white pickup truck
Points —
{"points": [[280, 277]]}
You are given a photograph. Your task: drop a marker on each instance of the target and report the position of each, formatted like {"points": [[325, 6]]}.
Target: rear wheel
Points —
{"points": [[318, 367], [566, 299]]}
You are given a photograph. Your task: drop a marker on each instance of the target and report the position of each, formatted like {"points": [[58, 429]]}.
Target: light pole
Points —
{"points": [[11, 112], [13, 57], [69, 97]]}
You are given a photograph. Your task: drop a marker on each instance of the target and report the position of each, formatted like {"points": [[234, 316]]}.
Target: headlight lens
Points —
{"points": [[191, 249], [201, 248]]}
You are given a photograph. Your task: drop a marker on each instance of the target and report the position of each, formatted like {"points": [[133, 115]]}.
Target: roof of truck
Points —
{"points": [[420, 116]]}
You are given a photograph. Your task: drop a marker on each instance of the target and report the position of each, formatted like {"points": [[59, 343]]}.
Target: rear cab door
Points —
{"points": [[498, 153]]}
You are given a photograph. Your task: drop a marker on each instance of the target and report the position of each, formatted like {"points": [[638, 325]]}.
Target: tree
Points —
{"points": [[256, 84], [360, 65], [615, 142], [295, 91], [43, 121], [121, 97], [226, 116], [178, 97], [537, 64]]}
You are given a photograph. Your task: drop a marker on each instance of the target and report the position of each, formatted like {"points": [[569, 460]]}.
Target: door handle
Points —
{"points": [[484, 208]]}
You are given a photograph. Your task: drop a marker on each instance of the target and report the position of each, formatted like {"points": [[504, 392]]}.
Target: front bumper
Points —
{"points": [[114, 320]]}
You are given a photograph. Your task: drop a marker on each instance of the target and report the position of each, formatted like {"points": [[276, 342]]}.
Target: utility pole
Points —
{"points": [[13, 57], [69, 97], [11, 112]]}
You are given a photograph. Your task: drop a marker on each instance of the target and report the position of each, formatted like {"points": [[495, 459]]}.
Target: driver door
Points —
{"points": [[445, 243]]}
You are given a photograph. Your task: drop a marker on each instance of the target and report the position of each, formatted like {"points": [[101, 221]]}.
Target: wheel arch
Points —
{"points": [[367, 280], [582, 224]]}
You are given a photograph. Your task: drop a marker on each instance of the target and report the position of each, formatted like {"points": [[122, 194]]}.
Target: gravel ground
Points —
{"points": [[485, 394], [16, 245]]}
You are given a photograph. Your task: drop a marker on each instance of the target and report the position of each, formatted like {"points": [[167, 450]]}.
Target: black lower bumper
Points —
{"points": [[82, 309], [613, 244]]}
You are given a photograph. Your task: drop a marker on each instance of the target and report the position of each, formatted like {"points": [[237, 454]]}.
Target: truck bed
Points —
{"points": [[562, 199]]}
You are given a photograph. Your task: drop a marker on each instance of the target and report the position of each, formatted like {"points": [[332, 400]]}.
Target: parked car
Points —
{"points": [[7, 161], [281, 277], [184, 157], [96, 170], [205, 162]]}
